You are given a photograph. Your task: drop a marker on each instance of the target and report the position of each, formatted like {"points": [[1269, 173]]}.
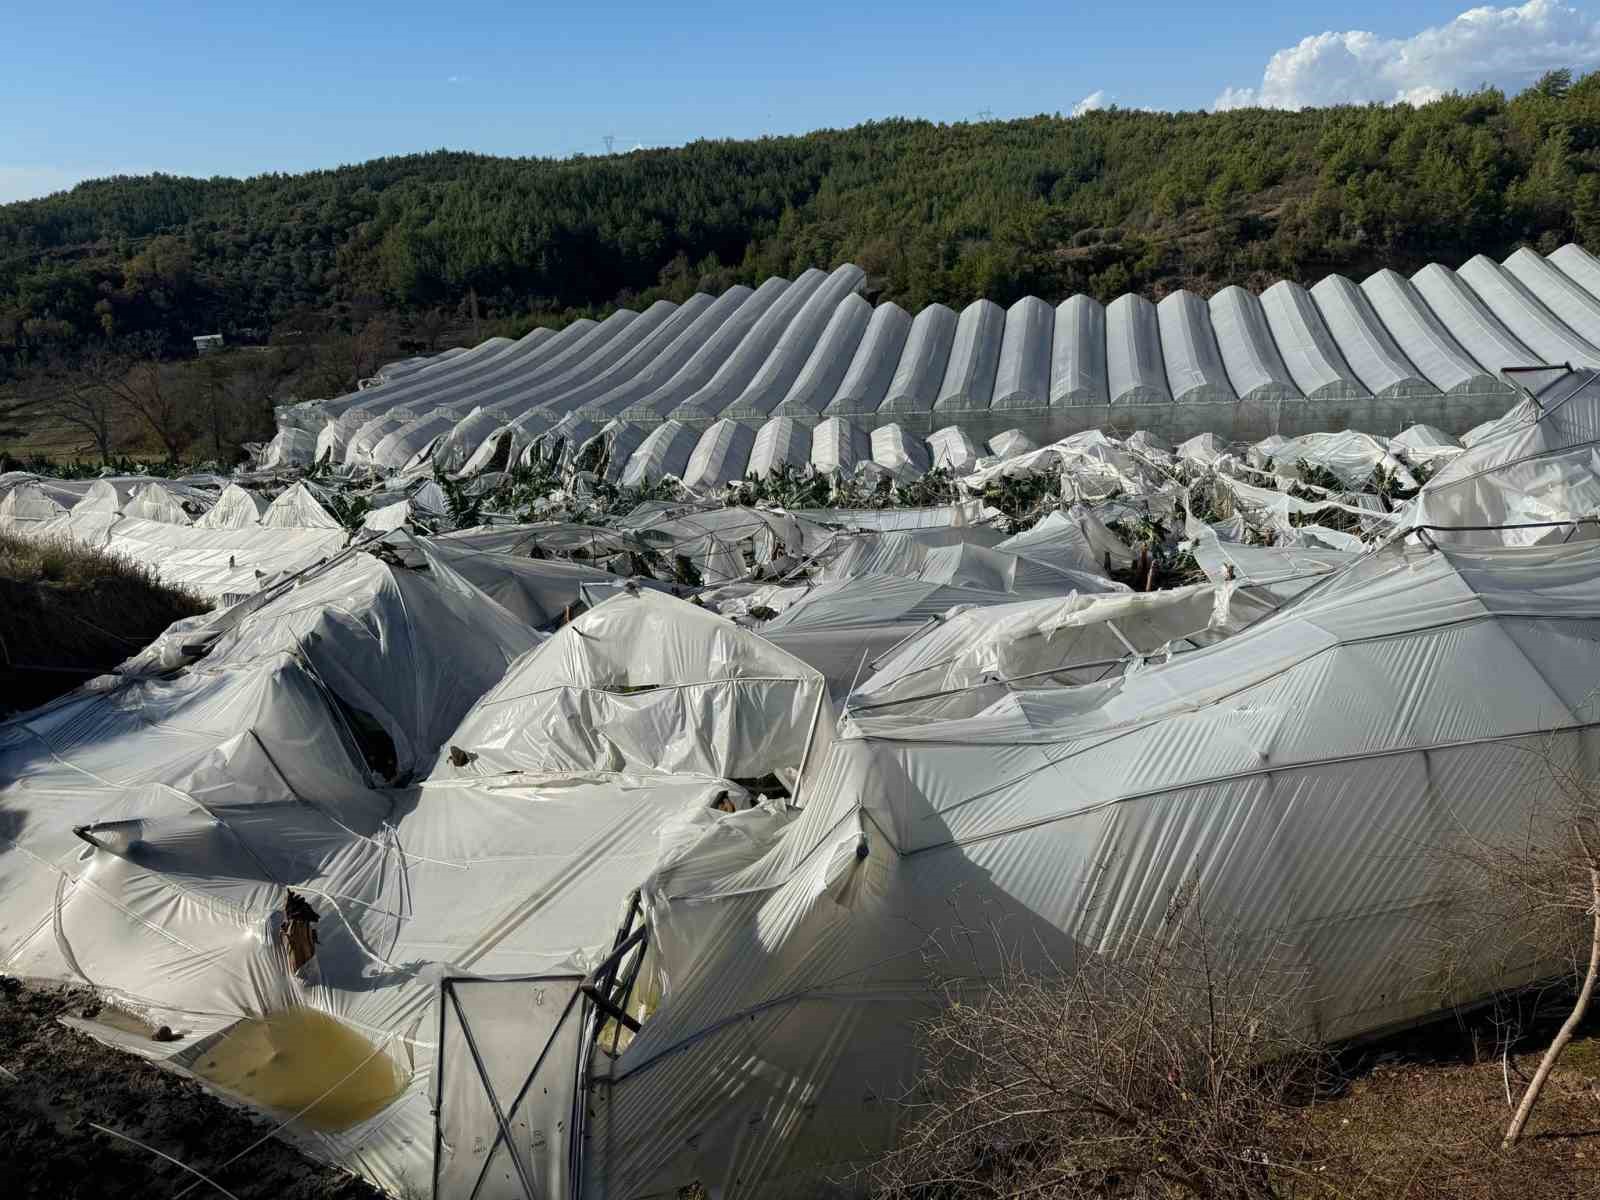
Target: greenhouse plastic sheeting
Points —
{"points": [[824, 369], [204, 794], [235, 508], [923, 359], [721, 454], [1280, 766], [804, 814], [1022, 379], [211, 562], [708, 698], [1090, 465], [1365, 341], [1534, 466], [1309, 349], [841, 628], [962, 664], [902, 556], [1075, 540], [872, 367], [1349, 455], [1195, 374], [734, 374], [298, 508], [101, 497], [27, 503], [1280, 572], [815, 348], [153, 502], [1424, 444], [1078, 353], [1254, 366], [538, 592], [173, 905], [1423, 337], [664, 391], [969, 373], [787, 355], [781, 444]]}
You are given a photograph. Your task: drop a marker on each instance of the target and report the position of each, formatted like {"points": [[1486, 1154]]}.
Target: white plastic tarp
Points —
{"points": [[236, 508], [646, 682], [1284, 767], [1539, 465]]}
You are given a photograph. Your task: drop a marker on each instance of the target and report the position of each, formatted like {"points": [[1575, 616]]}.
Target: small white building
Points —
{"points": [[208, 343]]}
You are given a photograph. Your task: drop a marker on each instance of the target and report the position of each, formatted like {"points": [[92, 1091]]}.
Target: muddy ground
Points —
{"points": [[55, 1082], [1418, 1118], [1421, 1116]]}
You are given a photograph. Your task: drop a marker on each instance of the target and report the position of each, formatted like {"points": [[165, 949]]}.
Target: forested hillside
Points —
{"points": [[1104, 203]]}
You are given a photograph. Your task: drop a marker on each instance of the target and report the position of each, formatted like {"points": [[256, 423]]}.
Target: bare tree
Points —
{"points": [[431, 326], [368, 337], [366, 347], [1172, 1068], [77, 394], [250, 391], [145, 389], [234, 400], [329, 371]]}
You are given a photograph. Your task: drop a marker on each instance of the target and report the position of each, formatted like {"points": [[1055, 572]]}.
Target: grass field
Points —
{"points": [[1421, 1118], [46, 435]]}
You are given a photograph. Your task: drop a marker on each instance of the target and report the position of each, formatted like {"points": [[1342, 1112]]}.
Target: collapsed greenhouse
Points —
{"points": [[628, 821]]}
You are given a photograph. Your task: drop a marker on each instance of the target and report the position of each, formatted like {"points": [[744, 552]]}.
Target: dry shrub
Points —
{"points": [[1172, 1069], [63, 560], [1527, 907], [29, 559]]}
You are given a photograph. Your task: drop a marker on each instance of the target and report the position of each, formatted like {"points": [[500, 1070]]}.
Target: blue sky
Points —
{"points": [[97, 88]]}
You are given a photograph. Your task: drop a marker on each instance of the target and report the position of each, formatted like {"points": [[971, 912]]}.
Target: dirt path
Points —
{"points": [[54, 1082]]}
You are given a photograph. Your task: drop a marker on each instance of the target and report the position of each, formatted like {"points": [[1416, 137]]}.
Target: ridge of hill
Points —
{"points": [[1107, 202]]}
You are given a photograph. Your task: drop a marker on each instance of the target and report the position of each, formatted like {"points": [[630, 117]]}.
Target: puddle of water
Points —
{"points": [[288, 1059]]}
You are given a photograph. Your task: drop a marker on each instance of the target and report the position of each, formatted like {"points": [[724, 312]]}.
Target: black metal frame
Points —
{"points": [[447, 995], [608, 993], [1530, 370]]}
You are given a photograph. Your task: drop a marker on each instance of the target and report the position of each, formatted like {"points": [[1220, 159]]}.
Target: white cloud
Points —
{"points": [[1095, 99], [1503, 47], [1232, 97]]}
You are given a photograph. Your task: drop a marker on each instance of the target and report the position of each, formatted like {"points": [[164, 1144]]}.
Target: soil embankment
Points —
{"points": [[69, 613], [55, 1083]]}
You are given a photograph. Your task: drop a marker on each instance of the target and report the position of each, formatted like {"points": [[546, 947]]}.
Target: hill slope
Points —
{"points": [[1104, 203]]}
